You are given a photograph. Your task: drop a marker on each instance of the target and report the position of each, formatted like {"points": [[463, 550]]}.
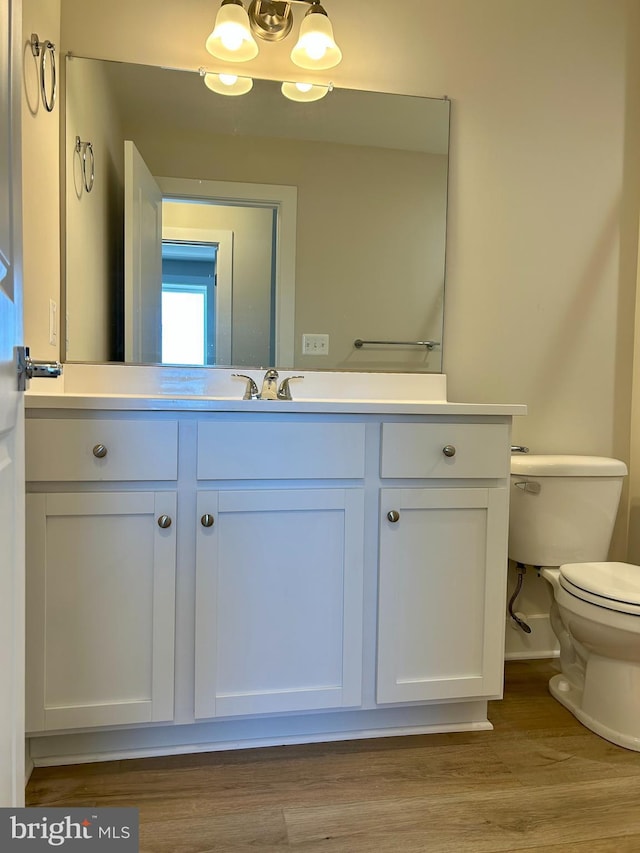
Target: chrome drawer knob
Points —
{"points": [[393, 515], [164, 521], [99, 451], [449, 450], [207, 520]]}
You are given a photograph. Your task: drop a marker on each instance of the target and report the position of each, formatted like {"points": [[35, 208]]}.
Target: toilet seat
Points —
{"points": [[615, 586]]}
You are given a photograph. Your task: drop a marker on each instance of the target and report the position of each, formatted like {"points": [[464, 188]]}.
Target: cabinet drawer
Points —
{"points": [[280, 451], [417, 450], [65, 450]]}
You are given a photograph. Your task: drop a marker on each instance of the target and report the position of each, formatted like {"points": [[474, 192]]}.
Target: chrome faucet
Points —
{"points": [[270, 389], [251, 391], [270, 385], [284, 392]]}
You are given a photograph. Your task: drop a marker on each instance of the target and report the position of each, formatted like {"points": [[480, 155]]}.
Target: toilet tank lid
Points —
{"points": [[560, 465]]}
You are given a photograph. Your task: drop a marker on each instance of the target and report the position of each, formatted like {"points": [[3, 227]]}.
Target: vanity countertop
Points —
{"points": [[175, 389], [137, 402]]}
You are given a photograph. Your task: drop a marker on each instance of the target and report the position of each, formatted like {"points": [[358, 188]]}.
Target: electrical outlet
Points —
{"points": [[53, 322], [315, 344]]}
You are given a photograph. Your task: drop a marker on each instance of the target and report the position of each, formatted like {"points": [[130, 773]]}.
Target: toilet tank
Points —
{"points": [[563, 508]]}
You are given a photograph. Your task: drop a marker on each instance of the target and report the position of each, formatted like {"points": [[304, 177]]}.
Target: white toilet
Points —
{"points": [[563, 509]]}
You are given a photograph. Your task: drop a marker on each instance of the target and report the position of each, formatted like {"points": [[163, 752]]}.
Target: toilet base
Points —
{"points": [[572, 698]]}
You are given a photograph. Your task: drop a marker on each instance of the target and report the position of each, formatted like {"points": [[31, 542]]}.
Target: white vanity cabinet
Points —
{"points": [[441, 590], [329, 572], [279, 569], [101, 569]]}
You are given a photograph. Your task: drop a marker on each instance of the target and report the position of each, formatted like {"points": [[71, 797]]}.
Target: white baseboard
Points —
{"points": [[532, 655], [540, 643], [237, 733], [90, 758]]}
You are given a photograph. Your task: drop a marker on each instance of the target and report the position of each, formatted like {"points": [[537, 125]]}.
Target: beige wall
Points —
{"points": [[537, 309], [632, 178], [40, 186], [542, 239], [94, 220]]}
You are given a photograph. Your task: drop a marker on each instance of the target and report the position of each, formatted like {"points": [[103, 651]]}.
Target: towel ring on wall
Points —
{"points": [[82, 148], [41, 49]]}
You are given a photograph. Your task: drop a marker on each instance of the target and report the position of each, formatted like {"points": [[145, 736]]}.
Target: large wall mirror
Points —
{"points": [[251, 231]]}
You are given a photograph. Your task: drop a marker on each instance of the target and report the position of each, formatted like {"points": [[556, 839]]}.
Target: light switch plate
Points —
{"points": [[315, 344]]}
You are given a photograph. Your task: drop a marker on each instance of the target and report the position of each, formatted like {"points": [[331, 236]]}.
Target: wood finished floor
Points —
{"points": [[539, 782]]}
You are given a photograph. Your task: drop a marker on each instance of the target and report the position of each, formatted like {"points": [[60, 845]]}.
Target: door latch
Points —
{"points": [[28, 368]]}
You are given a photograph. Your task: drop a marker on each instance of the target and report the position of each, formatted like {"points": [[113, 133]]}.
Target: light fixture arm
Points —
{"points": [[271, 20]]}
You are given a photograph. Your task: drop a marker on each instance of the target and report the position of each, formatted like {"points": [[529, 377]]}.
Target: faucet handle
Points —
{"points": [[284, 392], [251, 391]]}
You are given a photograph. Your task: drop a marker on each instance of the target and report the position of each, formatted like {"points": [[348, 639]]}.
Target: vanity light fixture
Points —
{"points": [[272, 20], [316, 48], [227, 84], [305, 92], [231, 37]]}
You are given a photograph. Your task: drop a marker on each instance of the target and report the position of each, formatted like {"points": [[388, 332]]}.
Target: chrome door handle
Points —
{"points": [[393, 515], [164, 521], [449, 450], [28, 368], [100, 451], [207, 520]]}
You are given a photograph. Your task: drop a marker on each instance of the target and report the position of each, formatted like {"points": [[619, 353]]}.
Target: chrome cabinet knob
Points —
{"points": [[449, 450], [164, 521], [393, 515], [99, 451], [207, 520]]}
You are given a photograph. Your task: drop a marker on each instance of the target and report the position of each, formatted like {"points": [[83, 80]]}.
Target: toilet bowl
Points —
{"points": [[563, 509], [596, 617]]}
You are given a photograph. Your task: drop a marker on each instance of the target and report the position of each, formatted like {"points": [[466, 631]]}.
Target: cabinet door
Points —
{"points": [[443, 567], [100, 609], [278, 601]]}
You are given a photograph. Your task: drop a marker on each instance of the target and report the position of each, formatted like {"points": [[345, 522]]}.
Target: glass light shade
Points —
{"points": [[228, 84], [316, 48], [231, 38], [304, 92]]}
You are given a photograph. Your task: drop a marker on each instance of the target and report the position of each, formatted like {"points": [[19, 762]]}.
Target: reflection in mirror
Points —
{"points": [[267, 222]]}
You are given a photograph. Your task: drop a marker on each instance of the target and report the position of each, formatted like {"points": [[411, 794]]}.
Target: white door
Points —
{"points": [[142, 261], [11, 419]]}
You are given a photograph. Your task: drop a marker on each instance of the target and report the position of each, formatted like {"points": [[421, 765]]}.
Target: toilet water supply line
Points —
{"points": [[519, 622], [518, 448]]}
